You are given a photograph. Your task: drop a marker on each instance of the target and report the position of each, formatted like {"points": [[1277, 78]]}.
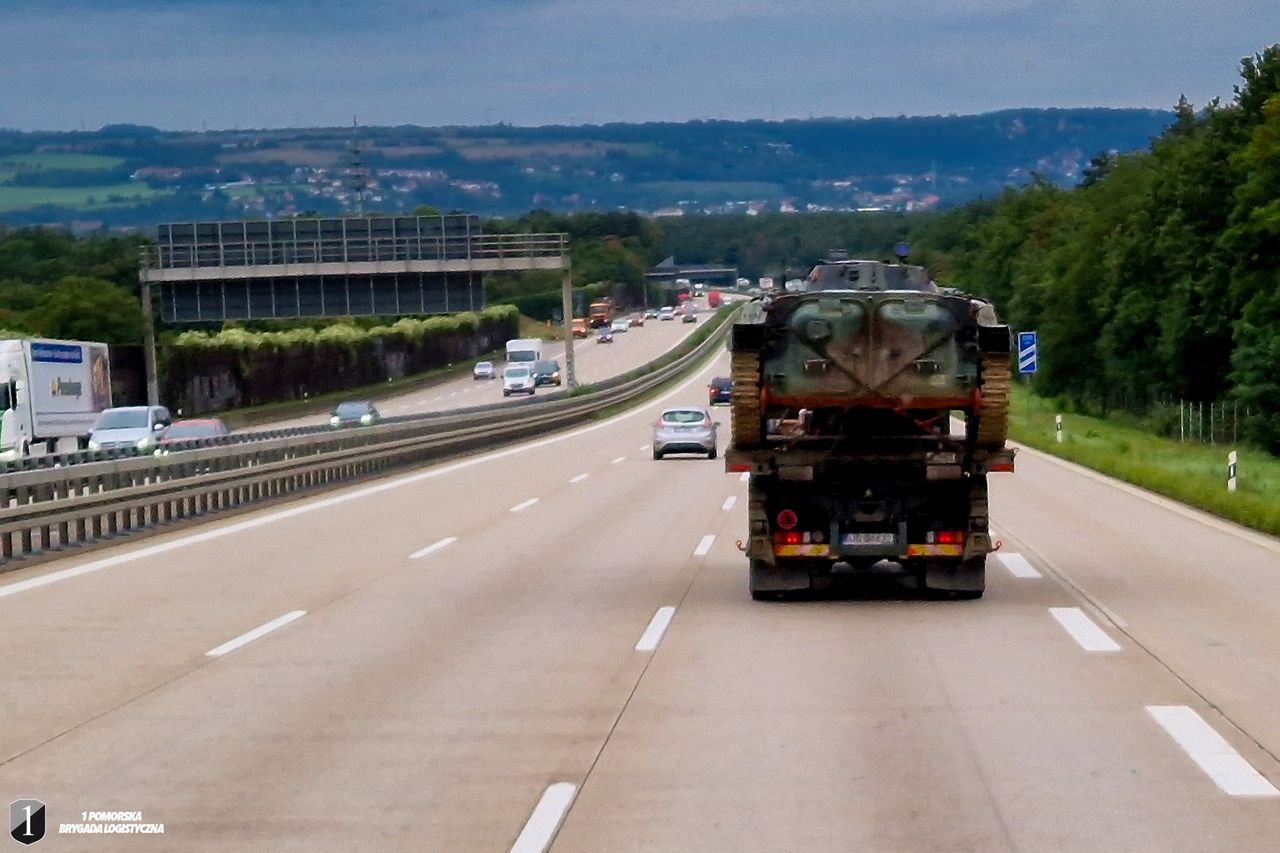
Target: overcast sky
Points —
{"points": [[180, 64]]}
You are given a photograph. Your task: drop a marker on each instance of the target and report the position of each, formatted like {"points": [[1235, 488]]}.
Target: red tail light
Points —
{"points": [[790, 537], [949, 537], [787, 519]]}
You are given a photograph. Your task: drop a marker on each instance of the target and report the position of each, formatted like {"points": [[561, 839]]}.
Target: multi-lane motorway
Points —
{"points": [[593, 363], [554, 641]]}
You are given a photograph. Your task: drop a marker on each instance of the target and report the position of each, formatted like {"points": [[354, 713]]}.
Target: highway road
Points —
{"points": [[594, 362], [557, 636]]}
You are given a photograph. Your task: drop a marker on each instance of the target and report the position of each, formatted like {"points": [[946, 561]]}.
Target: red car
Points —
{"points": [[191, 430]]}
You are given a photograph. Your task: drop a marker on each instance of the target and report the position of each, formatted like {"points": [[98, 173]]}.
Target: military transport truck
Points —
{"points": [[869, 409]]}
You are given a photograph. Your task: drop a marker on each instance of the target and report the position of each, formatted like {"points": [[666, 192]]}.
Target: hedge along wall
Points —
{"points": [[209, 372]]}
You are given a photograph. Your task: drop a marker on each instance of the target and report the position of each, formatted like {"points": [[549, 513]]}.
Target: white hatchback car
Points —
{"points": [[484, 370]]}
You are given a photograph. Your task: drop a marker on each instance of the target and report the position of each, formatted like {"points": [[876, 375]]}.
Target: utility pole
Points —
{"points": [[566, 307], [149, 342]]}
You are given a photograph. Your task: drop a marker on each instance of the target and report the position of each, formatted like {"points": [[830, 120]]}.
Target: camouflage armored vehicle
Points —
{"points": [[869, 409]]}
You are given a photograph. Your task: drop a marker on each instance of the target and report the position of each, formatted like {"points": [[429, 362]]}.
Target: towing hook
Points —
{"points": [[738, 544]]}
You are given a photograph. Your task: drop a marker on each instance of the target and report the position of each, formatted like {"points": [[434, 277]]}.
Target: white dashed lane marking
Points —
{"points": [[1226, 767], [657, 627], [523, 505], [705, 545], [545, 821], [1018, 565], [434, 547], [257, 633], [1083, 630]]}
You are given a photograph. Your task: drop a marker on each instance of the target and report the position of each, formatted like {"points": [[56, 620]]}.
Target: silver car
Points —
{"points": [[686, 429], [126, 427]]}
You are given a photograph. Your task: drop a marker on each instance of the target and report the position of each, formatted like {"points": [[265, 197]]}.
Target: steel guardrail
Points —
{"points": [[51, 510]]}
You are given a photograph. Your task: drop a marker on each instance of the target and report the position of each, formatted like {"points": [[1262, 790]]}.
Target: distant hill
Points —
{"points": [[126, 175]]}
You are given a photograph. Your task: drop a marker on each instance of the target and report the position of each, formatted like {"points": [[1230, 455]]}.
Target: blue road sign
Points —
{"points": [[1027, 357]]}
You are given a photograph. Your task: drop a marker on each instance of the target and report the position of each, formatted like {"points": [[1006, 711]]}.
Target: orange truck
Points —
{"points": [[600, 313], [580, 329]]}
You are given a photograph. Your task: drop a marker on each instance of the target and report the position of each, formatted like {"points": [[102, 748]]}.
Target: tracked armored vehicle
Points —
{"points": [[869, 409]]}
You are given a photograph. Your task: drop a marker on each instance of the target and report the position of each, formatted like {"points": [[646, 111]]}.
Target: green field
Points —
{"points": [[13, 162], [1194, 474], [18, 198]]}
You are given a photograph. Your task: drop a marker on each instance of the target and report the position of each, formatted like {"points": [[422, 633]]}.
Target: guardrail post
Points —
{"points": [[45, 493]]}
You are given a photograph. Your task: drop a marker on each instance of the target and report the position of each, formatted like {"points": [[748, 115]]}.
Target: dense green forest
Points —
{"points": [[1158, 277]]}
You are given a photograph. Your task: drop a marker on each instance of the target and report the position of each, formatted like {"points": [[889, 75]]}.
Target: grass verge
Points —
{"points": [[1194, 474]]}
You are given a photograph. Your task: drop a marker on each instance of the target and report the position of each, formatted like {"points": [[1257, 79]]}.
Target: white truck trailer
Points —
{"points": [[51, 393], [520, 350]]}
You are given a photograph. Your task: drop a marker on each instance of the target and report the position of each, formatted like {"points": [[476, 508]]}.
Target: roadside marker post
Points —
{"points": [[1057, 426], [1028, 357], [1231, 471]]}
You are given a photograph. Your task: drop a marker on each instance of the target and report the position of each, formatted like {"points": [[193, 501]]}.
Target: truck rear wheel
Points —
{"points": [[951, 579]]}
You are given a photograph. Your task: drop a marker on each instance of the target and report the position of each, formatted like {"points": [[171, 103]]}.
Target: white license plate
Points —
{"points": [[869, 539]]}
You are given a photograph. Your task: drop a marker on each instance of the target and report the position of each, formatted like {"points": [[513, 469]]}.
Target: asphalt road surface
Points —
{"points": [[593, 362], [558, 636]]}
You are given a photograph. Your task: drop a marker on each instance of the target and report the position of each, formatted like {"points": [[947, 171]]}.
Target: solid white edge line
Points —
{"points": [[619, 459], [1228, 769], [545, 821], [657, 627], [308, 506], [1084, 630], [745, 478], [729, 502], [579, 478], [432, 548], [1017, 565], [523, 505], [705, 545], [1254, 537], [261, 631]]}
